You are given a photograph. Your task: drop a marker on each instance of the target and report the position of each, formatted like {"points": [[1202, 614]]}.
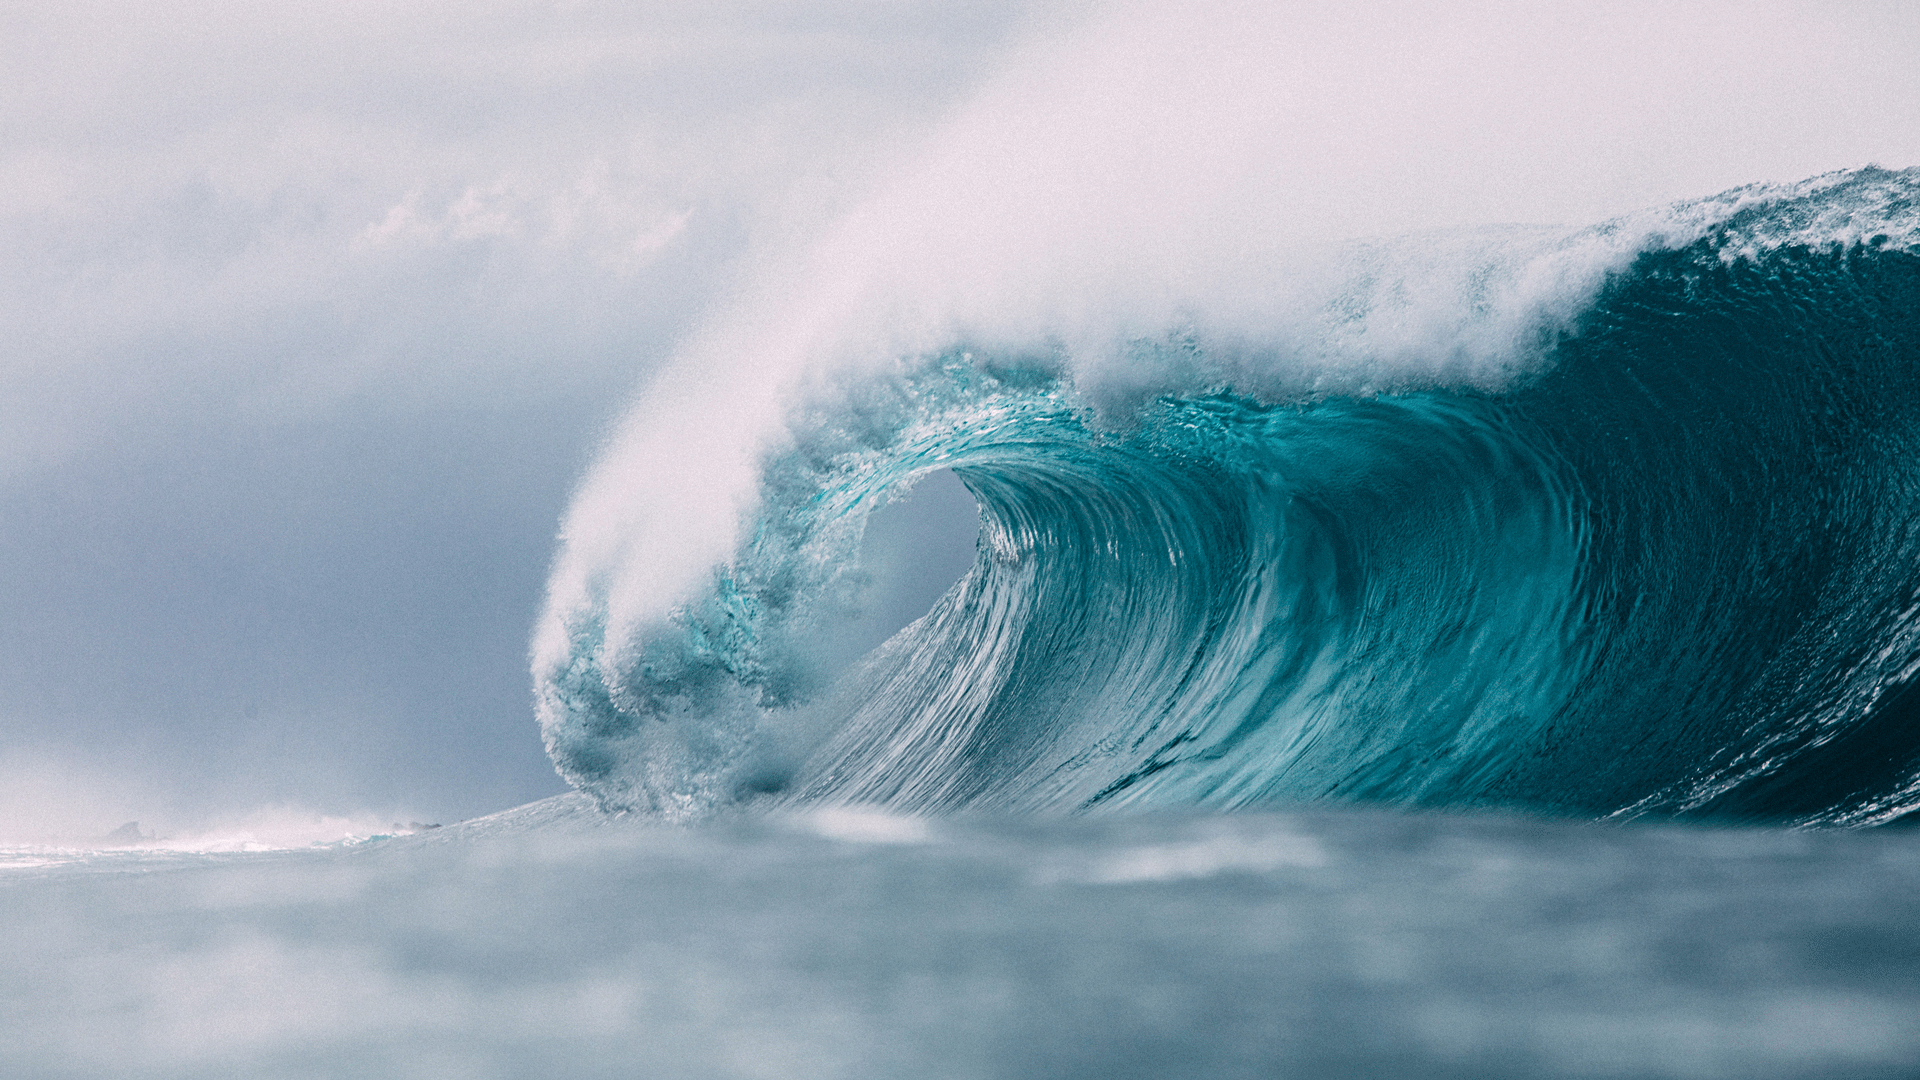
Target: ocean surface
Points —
{"points": [[1498, 659], [1606, 522], [555, 941]]}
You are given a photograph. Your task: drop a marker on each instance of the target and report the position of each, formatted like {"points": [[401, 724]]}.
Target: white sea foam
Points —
{"points": [[1222, 172], [861, 825], [54, 812], [1213, 850]]}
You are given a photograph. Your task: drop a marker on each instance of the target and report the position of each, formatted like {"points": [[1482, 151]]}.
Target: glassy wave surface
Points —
{"points": [[1616, 521]]}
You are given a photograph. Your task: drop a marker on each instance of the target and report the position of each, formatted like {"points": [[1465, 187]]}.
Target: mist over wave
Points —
{"points": [[1088, 416], [1609, 521], [1296, 479]]}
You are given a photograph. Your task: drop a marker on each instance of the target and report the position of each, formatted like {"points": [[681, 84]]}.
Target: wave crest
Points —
{"points": [[1662, 561]]}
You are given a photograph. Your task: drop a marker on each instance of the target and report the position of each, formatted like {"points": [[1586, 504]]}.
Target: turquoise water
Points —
{"points": [[1667, 563], [1548, 688]]}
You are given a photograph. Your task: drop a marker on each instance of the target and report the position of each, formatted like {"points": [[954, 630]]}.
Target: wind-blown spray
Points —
{"points": [[1604, 520]]}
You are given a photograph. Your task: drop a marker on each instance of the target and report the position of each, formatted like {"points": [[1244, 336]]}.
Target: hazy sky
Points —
{"points": [[314, 316]]}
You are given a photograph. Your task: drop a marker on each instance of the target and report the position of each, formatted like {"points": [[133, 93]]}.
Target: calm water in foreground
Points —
{"points": [[550, 942]]}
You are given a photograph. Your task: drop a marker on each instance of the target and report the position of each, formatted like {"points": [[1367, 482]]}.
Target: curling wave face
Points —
{"points": [[1666, 561]]}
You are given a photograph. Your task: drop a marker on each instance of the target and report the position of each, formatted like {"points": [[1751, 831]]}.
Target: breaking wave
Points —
{"points": [[1612, 522]]}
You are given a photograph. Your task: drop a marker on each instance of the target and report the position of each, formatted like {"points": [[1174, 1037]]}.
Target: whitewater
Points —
{"points": [[1542, 602], [1603, 523], [1145, 581]]}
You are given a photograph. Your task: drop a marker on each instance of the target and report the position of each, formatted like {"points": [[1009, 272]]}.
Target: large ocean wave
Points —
{"points": [[1617, 521]]}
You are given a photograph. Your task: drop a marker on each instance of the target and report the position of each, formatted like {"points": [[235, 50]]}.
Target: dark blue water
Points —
{"points": [[1666, 565]]}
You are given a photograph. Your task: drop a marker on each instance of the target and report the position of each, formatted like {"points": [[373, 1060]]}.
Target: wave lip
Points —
{"points": [[1631, 533]]}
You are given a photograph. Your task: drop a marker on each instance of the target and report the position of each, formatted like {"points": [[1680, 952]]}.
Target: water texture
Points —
{"points": [[1611, 522], [836, 943]]}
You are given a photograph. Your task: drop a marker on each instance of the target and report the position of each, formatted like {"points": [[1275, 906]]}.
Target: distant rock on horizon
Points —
{"points": [[126, 834]]}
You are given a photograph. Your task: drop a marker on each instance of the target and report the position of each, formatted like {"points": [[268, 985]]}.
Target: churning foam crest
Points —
{"points": [[1163, 172]]}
